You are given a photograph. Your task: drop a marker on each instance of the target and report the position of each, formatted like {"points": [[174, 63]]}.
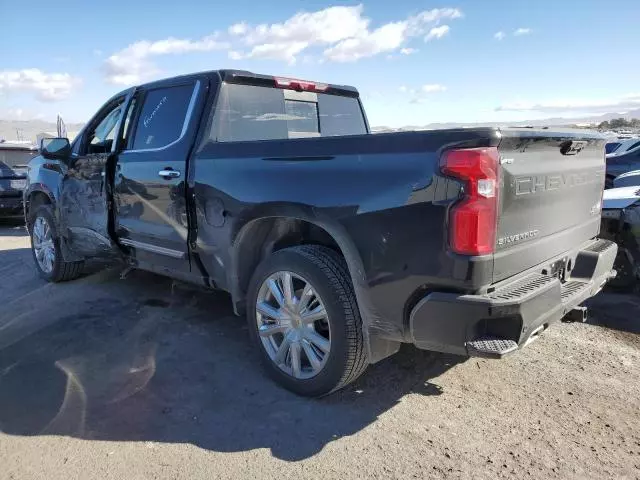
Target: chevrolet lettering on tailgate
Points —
{"points": [[527, 185]]}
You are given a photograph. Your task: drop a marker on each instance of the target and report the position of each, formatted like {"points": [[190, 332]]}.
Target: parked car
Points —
{"points": [[14, 157], [627, 179], [624, 159], [338, 245], [621, 223]]}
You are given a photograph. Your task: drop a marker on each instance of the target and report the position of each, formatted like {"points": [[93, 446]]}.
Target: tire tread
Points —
{"points": [[335, 268], [66, 271]]}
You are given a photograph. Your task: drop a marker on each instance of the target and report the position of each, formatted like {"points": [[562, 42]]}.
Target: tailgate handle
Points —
{"points": [[572, 147]]}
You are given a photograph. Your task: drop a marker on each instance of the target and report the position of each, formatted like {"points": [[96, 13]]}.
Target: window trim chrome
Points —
{"points": [[152, 248]]}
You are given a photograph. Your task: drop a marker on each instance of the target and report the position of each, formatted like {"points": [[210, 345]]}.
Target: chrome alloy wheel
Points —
{"points": [[293, 325], [43, 244]]}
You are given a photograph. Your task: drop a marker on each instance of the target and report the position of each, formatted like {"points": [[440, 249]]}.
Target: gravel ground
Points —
{"points": [[140, 378]]}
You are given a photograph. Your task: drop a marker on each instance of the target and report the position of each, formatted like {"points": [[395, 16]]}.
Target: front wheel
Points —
{"points": [[45, 247], [304, 320]]}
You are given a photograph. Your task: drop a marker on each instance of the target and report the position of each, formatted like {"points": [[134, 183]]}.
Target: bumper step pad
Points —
{"points": [[490, 347]]}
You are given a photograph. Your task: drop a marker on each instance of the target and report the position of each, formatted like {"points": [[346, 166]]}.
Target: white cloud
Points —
{"points": [[273, 51], [391, 36], [47, 87], [387, 38], [20, 114], [284, 41], [621, 105], [437, 32], [420, 94], [132, 65], [342, 31], [321, 27], [522, 31], [13, 114], [238, 29], [499, 35], [433, 87]]}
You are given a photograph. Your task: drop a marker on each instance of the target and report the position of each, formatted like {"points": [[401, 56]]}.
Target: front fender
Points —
{"points": [[44, 176]]}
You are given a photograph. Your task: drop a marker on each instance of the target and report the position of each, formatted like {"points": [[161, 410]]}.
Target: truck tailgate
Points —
{"points": [[550, 196]]}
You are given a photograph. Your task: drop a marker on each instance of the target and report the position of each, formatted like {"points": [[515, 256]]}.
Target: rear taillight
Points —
{"points": [[300, 85], [472, 220]]}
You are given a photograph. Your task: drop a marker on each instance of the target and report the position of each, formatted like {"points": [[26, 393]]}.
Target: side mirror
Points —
{"points": [[55, 148]]}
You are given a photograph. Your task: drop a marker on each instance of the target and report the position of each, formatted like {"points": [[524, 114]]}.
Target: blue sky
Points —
{"points": [[414, 62]]}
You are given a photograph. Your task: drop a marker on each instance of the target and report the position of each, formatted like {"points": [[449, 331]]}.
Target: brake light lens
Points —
{"points": [[473, 220], [303, 85]]}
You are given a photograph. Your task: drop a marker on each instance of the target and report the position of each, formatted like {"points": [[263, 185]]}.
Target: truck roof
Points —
{"points": [[258, 79]]}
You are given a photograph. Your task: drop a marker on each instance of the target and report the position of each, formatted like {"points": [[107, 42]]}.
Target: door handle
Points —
{"points": [[167, 174]]}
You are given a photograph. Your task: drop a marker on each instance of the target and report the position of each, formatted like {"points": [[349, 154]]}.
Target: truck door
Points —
{"points": [[84, 191], [151, 174]]}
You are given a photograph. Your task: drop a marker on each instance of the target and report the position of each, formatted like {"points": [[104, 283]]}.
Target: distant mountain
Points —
{"points": [[547, 122], [28, 129]]}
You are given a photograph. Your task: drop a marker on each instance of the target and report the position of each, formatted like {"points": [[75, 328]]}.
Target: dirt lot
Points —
{"points": [[139, 379]]}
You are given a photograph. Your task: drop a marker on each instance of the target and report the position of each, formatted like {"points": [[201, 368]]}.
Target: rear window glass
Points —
{"points": [[341, 116], [302, 117], [162, 117], [247, 112]]}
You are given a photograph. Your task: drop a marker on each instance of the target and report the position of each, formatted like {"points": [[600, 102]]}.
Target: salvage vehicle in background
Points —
{"points": [[14, 157], [628, 179], [338, 245], [624, 159], [621, 223]]}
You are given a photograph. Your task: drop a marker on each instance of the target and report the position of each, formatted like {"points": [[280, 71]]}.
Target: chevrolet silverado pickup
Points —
{"points": [[336, 244]]}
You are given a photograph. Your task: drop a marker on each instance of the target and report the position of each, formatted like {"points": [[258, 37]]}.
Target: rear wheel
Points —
{"points": [[45, 247], [304, 320]]}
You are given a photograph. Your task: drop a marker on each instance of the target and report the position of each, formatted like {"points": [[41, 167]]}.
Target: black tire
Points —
{"points": [[62, 271], [327, 272]]}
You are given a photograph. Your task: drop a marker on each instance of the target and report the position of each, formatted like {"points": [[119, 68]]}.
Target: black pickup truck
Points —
{"points": [[337, 244]]}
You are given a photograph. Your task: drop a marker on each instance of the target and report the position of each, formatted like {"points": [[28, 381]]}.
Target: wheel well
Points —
{"points": [[35, 200], [262, 237]]}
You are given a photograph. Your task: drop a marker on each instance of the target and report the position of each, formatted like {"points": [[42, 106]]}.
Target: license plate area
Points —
{"points": [[19, 184], [557, 269]]}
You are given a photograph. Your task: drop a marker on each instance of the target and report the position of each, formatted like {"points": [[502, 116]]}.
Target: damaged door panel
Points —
{"points": [[85, 194]]}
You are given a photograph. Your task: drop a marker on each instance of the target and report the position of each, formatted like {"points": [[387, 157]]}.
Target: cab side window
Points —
{"points": [[162, 118]]}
